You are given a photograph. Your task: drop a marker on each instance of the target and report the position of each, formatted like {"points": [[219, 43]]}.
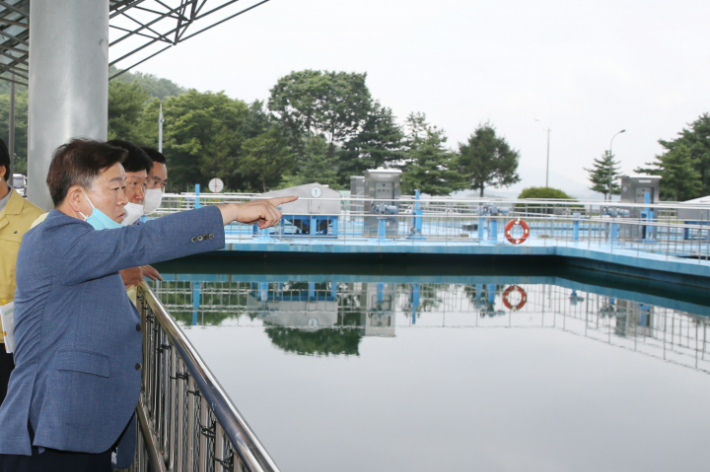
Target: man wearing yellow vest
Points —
{"points": [[16, 216]]}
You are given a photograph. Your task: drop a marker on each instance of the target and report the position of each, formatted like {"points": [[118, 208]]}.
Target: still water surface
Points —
{"points": [[421, 373]]}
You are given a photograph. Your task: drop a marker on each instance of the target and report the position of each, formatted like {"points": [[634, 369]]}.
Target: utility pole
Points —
{"points": [[160, 129], [547, 166], [11, 127], [547, 172]]}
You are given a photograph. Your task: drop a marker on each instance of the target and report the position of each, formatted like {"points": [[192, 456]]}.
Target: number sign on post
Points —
{"points": [[216, 185]]}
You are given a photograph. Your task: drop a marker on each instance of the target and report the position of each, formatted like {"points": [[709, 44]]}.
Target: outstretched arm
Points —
{"points": [[263, 212], [95, 254]]}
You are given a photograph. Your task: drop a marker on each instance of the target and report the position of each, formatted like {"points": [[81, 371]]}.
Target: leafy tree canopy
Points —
{"points": [[324, 342], [696, 139], [202, 138], [126, 102], [685, 166], [5, 88], [539, 193], [680, 178], [603, 175], [379, 144], [321, 103], [154, 86], [487, 160], [544, 192], [427, 164], [316, 165], [266, 158], [20, 126], [257, 120]]}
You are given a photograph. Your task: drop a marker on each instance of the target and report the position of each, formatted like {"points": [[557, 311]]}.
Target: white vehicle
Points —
{"points": [[19, 183]]}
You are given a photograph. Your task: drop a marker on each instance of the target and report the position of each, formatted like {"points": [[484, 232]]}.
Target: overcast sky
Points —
{"points": [[585, 69]]}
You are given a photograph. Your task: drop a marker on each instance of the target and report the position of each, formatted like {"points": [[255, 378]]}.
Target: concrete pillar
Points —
{"points": [[68, 86]]}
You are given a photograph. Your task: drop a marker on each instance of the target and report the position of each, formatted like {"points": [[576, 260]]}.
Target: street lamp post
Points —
{"points": [[611, 161], [547, 166]]}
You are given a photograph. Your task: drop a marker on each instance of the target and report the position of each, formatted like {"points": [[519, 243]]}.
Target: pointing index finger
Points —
{"points": [[281, 200]]}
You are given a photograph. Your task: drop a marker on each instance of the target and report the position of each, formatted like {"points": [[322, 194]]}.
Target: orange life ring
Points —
{"points": [[523, 297], [509, 227]]}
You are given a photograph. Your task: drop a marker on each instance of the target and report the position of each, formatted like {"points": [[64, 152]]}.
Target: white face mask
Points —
{"points": [[153, 199], [133, 212]]}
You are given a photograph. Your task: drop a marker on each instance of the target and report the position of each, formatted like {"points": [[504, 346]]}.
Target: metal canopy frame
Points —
{"points": [[138, 30], [15, 41]]}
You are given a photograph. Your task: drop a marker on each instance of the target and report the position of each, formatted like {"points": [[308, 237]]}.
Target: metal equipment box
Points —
{"points": [[382, 187], [357, 192], [378, 317], [635, 187], [316, 212]]}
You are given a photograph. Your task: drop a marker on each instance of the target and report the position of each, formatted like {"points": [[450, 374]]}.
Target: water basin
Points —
{"points": [[419, 372]]}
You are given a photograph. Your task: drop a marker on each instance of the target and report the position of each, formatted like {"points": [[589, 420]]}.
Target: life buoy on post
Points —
{"points": [[509, 228], [523, 297]]}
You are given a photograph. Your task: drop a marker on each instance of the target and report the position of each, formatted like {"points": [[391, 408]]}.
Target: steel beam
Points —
{"points": [[68, 86]]}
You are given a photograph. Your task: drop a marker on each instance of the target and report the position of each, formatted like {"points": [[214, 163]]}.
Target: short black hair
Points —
{"points": [[5, 159], [154, 154], [137, 160], [79, 162]]}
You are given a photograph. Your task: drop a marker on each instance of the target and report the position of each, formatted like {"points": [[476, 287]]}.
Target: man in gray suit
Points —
{"points": [[78, 356]]}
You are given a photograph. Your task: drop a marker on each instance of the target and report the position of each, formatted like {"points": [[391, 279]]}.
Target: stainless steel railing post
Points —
{"points": [[202, 430], [187, 423], [191, 411]]}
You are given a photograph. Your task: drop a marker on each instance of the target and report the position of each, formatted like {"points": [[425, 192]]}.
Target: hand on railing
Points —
{"points": [[263, 212]]}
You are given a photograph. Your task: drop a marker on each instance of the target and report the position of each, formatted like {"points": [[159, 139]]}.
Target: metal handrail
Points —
{"points": [[208, 198], [187, 421]]}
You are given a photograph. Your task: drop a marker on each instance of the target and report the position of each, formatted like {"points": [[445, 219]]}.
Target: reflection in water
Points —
{"points": [[331, 317]]}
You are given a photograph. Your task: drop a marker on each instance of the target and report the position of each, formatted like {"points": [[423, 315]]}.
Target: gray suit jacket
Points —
{"points": [[78, 340]]}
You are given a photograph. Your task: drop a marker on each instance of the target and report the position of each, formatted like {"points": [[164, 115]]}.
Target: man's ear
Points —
{"points": [[73, 198], [3, 171]]}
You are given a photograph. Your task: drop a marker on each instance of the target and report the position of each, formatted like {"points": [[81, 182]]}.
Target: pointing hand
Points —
{"points": [[261, 212]]}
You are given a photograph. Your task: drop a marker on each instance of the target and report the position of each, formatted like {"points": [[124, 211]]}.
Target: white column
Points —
{"points": [[68, 86]]}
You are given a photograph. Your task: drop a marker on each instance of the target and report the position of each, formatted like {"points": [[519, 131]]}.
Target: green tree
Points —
{"points": [[324, 342], [315, 166], [257, 121], [202, 138], [696, 138], [539, 193], [427, 164], [487, 160], [266, 157], [544, 192], [603, 175], [126, 102], [155, 86], [379, 144], [129, 102], [321, 103], [5, 88], [20, 126], [680, 180]]}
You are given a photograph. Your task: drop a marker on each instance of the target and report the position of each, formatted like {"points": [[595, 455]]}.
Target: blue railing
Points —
{"points": [[671, 229]]}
